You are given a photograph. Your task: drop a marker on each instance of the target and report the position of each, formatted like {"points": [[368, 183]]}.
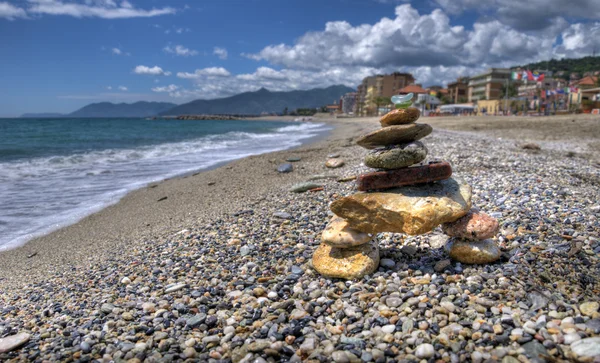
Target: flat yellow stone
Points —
{"points": [[346, 263], [412, 210]]}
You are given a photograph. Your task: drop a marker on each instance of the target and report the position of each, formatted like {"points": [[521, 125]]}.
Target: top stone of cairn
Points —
{"points": [[403, 114]]}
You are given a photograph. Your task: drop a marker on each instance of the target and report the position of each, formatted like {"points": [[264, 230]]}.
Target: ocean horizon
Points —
{"points": [[56, 171]]}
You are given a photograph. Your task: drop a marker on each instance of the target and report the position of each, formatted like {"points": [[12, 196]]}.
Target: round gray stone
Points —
{"points": [[396, 156]]}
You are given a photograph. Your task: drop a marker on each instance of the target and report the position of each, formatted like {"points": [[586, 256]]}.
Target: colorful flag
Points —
{"points": [[530, 76], [517, 76], [537, 76]]}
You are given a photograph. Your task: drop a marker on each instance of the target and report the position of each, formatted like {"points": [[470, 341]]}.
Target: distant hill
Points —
{"points": [[567, 65], [42, 115], [108, 109], [263, 100]]}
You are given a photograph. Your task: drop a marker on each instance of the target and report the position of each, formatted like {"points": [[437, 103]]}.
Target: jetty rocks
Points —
{"points": [[406, 193]]}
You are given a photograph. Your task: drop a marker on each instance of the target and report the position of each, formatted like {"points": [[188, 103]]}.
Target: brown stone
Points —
{"points": [[339, 234], [413, 209], [400, 116], [346, 263], [474, 226], [433, 171], [393, 135], [473, 252]]}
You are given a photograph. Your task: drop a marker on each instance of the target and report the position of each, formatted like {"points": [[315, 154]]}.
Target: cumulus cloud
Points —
{"points": [[206, 72], [153, 71], [426, 44], [122, 88], [117, 51], [11, 12], [106, 9], [180, 50], [220, 52], [169, 88]]}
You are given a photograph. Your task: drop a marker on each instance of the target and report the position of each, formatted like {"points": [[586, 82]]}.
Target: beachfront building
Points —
{"points": [[579, 91], [457, 91], [488, 85], [375, 87], [496, 107], [347, 102]]}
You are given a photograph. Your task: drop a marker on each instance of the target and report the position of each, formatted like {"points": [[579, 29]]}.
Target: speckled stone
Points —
{"points": [[396, 156], [473, 226]]}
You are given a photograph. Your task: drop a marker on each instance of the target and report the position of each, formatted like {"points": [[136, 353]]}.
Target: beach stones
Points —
{"points": [[303, 187], [412, 210], [13, 342], [475, 225], [394, 135], [400, 116], [339, 234], [396, 156], [473, 233], [285, 168], [334, 163], [408, 176], [473, 252], [346, 263]]}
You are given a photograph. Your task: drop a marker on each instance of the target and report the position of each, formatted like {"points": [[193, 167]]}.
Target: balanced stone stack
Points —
{"points": [[405, 195]]}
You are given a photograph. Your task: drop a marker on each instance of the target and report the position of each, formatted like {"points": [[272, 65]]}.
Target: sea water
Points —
{"points": [[54, 172]]}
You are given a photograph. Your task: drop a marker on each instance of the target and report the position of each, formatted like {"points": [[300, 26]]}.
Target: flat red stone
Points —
{"points": [[435, 170]]}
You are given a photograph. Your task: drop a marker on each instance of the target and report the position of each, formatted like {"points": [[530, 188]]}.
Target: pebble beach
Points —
{"points": [[216, 266]]}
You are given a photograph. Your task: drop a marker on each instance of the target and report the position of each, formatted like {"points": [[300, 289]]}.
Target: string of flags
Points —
{"points": [[528, 75]]}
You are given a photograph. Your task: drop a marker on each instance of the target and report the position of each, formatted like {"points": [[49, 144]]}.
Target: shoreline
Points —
{"points": [[143, 214]]}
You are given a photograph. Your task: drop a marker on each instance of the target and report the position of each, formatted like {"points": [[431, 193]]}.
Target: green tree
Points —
{"points": [[511, 89]]}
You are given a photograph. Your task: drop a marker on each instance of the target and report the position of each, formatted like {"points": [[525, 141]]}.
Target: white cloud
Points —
{"points": [[11, 12], [180, 50], [430, 45], [109, 88], [206, 72], [106, 9], [117, 51], [169, 88], [154, 71], [220, 52], [122, 88], [526, 15]]}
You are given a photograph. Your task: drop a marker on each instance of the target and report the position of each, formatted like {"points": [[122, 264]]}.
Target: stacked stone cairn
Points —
{"points": [[406, 194]]}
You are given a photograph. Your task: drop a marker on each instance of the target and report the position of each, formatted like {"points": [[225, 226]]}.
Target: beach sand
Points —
{"points": [[212, 271]]}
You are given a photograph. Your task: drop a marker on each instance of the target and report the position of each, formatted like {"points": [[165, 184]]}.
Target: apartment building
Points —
{"points": [[457, 91], [488, 85], [379, 86]]}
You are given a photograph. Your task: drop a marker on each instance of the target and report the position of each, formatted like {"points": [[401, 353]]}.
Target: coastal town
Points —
{"points": [[497, 91]]}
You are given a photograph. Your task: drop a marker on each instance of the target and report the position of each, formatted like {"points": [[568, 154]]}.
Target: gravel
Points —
{"points": [[240, 287]]}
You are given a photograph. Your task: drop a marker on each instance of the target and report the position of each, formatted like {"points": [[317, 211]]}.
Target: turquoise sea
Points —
{"points": [[54, 172]]}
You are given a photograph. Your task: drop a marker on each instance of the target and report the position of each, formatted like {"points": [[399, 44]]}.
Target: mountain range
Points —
{"points": [[261, 101], [108, 109], [247, 103]]}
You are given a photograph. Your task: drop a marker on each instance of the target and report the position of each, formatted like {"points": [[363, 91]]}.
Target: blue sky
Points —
{"points": [[58, 55]]}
